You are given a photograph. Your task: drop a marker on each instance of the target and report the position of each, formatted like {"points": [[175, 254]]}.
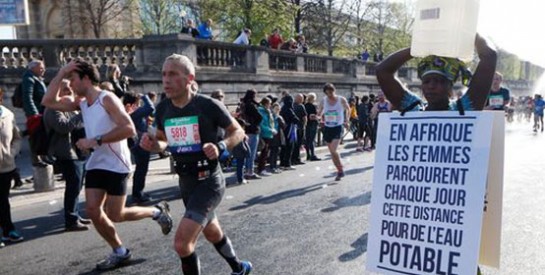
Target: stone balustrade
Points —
{"points": [[233, 68]]}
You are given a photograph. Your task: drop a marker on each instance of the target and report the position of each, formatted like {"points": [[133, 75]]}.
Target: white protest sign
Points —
{"points": [[428, 192]]}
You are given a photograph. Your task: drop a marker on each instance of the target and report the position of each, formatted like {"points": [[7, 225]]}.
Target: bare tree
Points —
{"points": [[97, 13], [327, 21], [297, 15], [390, 25], [361, 11]]}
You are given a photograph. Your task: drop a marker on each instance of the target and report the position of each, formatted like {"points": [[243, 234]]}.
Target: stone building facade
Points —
{"points": [[69, 19]]}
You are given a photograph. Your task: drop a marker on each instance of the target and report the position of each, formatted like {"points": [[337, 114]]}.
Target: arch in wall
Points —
{"points": [[54, 25]]}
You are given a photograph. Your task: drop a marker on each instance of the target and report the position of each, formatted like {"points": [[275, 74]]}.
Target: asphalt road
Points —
{"points": [[297, 222]]}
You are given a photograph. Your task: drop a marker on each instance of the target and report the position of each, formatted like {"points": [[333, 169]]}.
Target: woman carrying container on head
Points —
{"points": [[438, 75]]}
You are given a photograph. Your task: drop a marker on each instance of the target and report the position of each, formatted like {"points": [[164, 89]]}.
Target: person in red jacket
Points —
{"points": [[275, 40]]}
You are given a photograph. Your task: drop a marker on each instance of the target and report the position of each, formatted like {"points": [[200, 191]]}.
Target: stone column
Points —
{"points": [[329, 65], [300, 64], [261, 61], [155, 48]]}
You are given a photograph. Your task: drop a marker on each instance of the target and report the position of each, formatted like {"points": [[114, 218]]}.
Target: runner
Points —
{"points": [[438, 74], [107, 127], [364, 131], [335, 112], [380, 106], [499, 97], [187, 123], [539, 105]]}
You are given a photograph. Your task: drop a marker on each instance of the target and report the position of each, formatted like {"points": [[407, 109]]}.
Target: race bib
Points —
{"points": [[183, 134], [331, 117], [496, 100]]}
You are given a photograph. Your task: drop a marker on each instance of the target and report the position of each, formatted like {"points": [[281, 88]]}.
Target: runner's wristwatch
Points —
{"points": [[221, 146], [98, 139]]}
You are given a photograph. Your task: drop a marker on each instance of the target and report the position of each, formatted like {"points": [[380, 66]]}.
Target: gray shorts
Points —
{"points": [[201, 197]]}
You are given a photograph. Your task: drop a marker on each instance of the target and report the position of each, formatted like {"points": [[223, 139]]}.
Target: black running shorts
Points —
{"points": [[114, 183], [331, 133]]}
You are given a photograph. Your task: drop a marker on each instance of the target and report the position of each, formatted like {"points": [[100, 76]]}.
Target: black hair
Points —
{"points": [[249, 96], [329, 87], [130, 98], [85, 68]]}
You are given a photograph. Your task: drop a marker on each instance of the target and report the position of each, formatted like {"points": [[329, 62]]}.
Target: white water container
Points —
{"points": [[445, 28]]}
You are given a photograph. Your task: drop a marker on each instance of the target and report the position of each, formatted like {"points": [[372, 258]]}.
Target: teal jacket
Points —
{"points": [[267, 123], [33, 89]]}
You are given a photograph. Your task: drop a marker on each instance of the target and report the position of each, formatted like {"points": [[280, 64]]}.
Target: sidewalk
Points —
{"points": [[159, 170]]}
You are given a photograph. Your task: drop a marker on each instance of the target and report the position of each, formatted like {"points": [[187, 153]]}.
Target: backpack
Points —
{"points": [[17, 97]]}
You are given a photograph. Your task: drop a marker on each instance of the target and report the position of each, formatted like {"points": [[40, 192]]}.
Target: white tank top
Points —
{"points": [[333, 114], [114, 156]]}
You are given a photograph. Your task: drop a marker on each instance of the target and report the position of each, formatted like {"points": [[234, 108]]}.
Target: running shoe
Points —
{"points": [[13, 236], [340, 175], [114, 260], [164, 219], [2, 244], [246, 268]]}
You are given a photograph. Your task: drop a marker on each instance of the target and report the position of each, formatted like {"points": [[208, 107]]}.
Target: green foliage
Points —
{"points": [[261, 16]]}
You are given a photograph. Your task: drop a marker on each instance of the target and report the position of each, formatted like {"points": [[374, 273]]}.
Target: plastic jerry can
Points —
{"points": [[445, 28]]}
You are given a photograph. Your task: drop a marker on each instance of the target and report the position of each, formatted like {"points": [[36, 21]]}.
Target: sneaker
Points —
{"points": [[13, 236], [2, 244], [359, 149], [246, 268], [77, 226], [113, 260], [340, 175], [164, 219], [243, 181], [252, 177], [85, 221], [18, 183], [264, 174], [368, 149], [275, 171]]}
